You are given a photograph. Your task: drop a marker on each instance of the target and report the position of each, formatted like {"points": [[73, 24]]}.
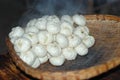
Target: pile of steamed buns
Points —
{"points": [[52, 39]]}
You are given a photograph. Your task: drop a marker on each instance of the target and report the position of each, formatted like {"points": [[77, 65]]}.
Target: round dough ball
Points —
{"points": [[81, 32], [53, 24], [67, 18], [32, 37], [28, 57], [54, 49], [53, 28], [22, 44], [89, 41], [81, 49], [53, 19], [69, 53], [74, 40], [39, 50], [57, 61], [79, 19], [45, 37], [16, 32], [41, 23], [66, 28], [62, 40]]}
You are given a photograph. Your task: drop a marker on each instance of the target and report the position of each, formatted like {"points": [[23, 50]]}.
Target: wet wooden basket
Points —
{"points": [[103, 56]]}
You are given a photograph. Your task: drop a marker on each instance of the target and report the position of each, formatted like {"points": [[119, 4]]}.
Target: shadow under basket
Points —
{"points": [[103, 56]]}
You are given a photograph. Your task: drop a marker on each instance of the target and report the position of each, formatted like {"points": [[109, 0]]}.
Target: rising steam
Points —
{"points": [[39, 8]]}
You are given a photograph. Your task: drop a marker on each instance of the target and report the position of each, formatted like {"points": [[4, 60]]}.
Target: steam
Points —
{"points": [[38, 8], [53, 7], [60, 7]]}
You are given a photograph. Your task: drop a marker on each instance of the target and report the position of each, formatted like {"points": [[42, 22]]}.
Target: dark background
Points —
{"points": [[12, 10]]}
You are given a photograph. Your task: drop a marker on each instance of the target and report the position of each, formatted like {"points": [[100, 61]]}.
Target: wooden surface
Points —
{"points": [[8, 71]]}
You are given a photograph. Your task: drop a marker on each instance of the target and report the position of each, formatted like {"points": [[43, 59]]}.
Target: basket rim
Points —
{"points": [[79, 74]]}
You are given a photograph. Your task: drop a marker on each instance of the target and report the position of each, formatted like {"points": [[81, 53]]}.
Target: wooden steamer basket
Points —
{"points": [[103, 56]]}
